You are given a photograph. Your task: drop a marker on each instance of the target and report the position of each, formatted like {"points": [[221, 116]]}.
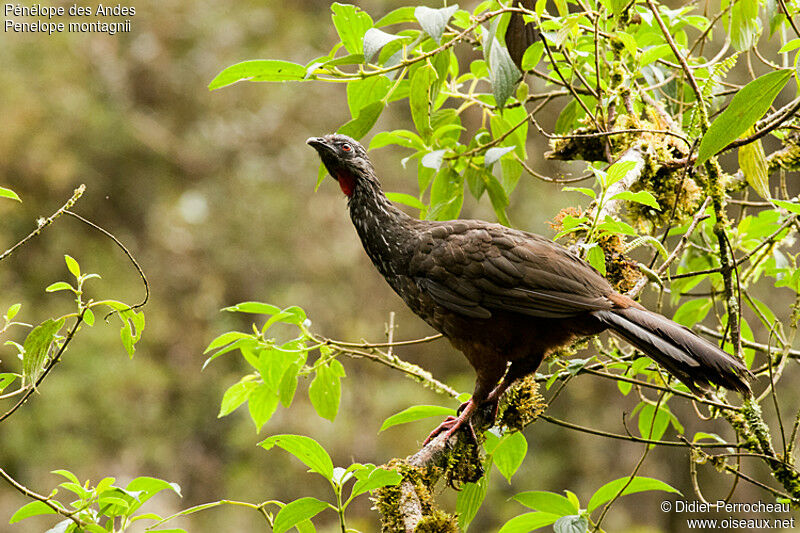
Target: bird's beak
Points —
{"points": [[319, 144]]}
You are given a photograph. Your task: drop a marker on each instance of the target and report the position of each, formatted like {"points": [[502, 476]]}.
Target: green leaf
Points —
{"points": [[297, 511], [527, 522], [151, 486], [418, 99], [325, 392], [396, 16], [571, 524], [360, 126], [547, 502], [235, 396], [447, 195], [31, 509], [791, 45], [597, 258], [6, 379], [638, 484], [258, 308], [36, 346], [259, 70], [617, 7], [364, 92], [745, 26], [406, 138], [618, 171], [470, 498], [304, 448], [583, 190], [753, 163], [503, 73], [747, 106], [628, 40], [72, 265], [8, 193], [510, 453], [692, 312], [288, 384], [434, 21], [532, 56], [374, 40], [640, 197], [59, 286], [261, 403], [379, 477], [349, 59], [476, 179], [498, 197], [12, 311], [67, 474], [351, 25], [789, 206], [654, 53], [226, 338], [568, 117], [416, 412], [652, 424], [405, 199]]}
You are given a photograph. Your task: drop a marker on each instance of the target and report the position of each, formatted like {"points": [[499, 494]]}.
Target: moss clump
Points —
{"points": [[620, 271], [788, 158], [521, 405], [671, 188], [388, 500], [586, 148], [437, 522], [464, 461]]}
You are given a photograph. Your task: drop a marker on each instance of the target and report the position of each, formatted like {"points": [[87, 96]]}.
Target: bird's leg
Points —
{"points": [[487, 377], [518, 369], [452, 423]]}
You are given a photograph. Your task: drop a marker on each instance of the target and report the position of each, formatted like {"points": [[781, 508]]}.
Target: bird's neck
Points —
{"points": [[384, 229]]}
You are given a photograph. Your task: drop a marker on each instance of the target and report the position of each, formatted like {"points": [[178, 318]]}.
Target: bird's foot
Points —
{"points": [[451, 424]]}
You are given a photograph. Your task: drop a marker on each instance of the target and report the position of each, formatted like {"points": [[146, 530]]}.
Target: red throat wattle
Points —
{"points": [[346, 182]]}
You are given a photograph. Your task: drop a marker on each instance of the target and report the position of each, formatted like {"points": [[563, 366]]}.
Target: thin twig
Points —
{"points": [[125, 250], [789, 17], [788, 222], [43, 223], [698, 217], [635, 470], [763, 348], [631, 438], [569, 85], [54, 505]]}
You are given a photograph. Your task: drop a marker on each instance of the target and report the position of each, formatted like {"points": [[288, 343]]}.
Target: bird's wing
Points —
{"points": [[474, 268]]}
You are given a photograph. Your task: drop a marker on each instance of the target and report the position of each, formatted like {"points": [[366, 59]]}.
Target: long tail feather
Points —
{"points": [[692, 359]]}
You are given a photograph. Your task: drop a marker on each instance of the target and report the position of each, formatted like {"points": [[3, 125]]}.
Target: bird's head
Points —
{"points": [[345, 159]]}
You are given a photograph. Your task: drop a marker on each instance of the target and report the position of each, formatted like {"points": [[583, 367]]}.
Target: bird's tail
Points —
{"points": [[693, 360]]}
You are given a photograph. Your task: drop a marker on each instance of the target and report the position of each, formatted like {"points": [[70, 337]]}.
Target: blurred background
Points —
{"points": [[214, 195]]}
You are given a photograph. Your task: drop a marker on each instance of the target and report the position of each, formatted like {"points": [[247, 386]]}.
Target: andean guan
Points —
{"points": [[506, 298]]}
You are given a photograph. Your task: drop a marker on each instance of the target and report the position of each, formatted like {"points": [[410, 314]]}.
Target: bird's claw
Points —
{"points": [[451, 424]]}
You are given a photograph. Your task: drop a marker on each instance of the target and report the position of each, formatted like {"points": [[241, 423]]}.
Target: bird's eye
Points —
{"points": [[347, 148]]}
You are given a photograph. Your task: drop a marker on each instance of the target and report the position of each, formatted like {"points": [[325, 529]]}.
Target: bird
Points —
{"points": [[506, 298]]}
